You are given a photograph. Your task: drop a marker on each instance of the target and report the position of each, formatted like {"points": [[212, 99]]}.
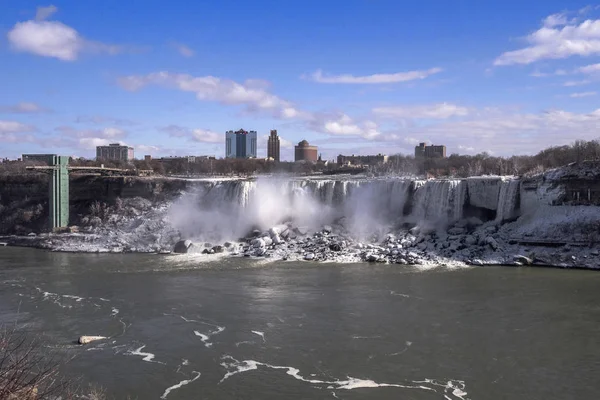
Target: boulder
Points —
{"points": [[277, 239], [335, 247], [327, 228], [218, 249], [473, 222], [490, 229], [492, 243], [258, 242], [456, 231], [267, 240], [278, 230], [182, 246], [523, 259], [471, 240], [372, 257], [302, 230], [309, 256]]}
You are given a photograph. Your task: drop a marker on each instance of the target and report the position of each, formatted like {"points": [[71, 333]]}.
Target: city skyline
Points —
{"points": [[497, 78]]}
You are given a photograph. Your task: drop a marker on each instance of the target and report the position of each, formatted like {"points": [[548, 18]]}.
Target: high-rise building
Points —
{"points": [[305, 152], [433, 151], [114, 152], [240, 144], [273, 146]]}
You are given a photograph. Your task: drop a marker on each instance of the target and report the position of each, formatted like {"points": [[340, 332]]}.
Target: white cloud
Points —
{"points": [[558, 72], [467, 149], [90, 143], [435, 111], [104, 133], [340, 124], [184, 50], [209, 88], [11, 131], [557, 39], [589, 69], [146, 149], [555, 20], [23, 108], [318, 76], [197, 135], [508, 133], [43, 13], [412, 141], [101, 120], [582, 94], [175, 130], [14, 127], [577, 83], [207, 136], [54, 39], [46, 38]]}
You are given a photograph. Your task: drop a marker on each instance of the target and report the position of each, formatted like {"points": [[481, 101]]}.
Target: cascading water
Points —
{"points": [[229, 209], [437, 201], [508, 199]]}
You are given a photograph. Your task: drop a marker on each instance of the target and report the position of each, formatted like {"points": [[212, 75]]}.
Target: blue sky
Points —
{"points": [[353, 76]]}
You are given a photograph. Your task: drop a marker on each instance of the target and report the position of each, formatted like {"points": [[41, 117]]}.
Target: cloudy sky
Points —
{"points": [[352, 76]]}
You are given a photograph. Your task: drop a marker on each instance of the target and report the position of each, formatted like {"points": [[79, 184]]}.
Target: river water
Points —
{"points": [[180, 327]]}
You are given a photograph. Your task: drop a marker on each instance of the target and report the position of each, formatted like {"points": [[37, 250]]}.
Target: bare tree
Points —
{"points": [[30, 372]]}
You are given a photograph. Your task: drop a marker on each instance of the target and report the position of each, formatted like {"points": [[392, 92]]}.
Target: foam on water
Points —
{"points": [[261, 334], [451, 389], [180, 384], [70, 296], [204, 338], [148, 357]]}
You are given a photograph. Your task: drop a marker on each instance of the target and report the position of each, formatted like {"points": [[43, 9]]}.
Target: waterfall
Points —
{"points": [[508, 199], [229, 208], [437, 201], [458, 200]]}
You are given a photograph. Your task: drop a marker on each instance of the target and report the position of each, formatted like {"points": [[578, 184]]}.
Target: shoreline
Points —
{"points": [[35, 242]]}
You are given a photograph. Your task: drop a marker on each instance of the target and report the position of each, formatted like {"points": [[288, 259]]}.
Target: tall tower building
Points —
{"points": [[240, 144], [273, 146]]}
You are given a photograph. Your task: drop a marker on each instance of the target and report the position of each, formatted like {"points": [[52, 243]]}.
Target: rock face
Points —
{"points": [[182, 246]]}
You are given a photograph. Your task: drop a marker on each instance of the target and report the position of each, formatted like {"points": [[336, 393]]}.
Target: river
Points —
{"points": [[180, 327]]}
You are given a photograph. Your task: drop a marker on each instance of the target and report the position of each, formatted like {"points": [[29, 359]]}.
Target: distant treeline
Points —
{"points": [[455, 165], [485, 164]]}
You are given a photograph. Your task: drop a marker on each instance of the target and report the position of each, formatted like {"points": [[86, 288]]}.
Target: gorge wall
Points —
{"points": [[219, 209]]}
